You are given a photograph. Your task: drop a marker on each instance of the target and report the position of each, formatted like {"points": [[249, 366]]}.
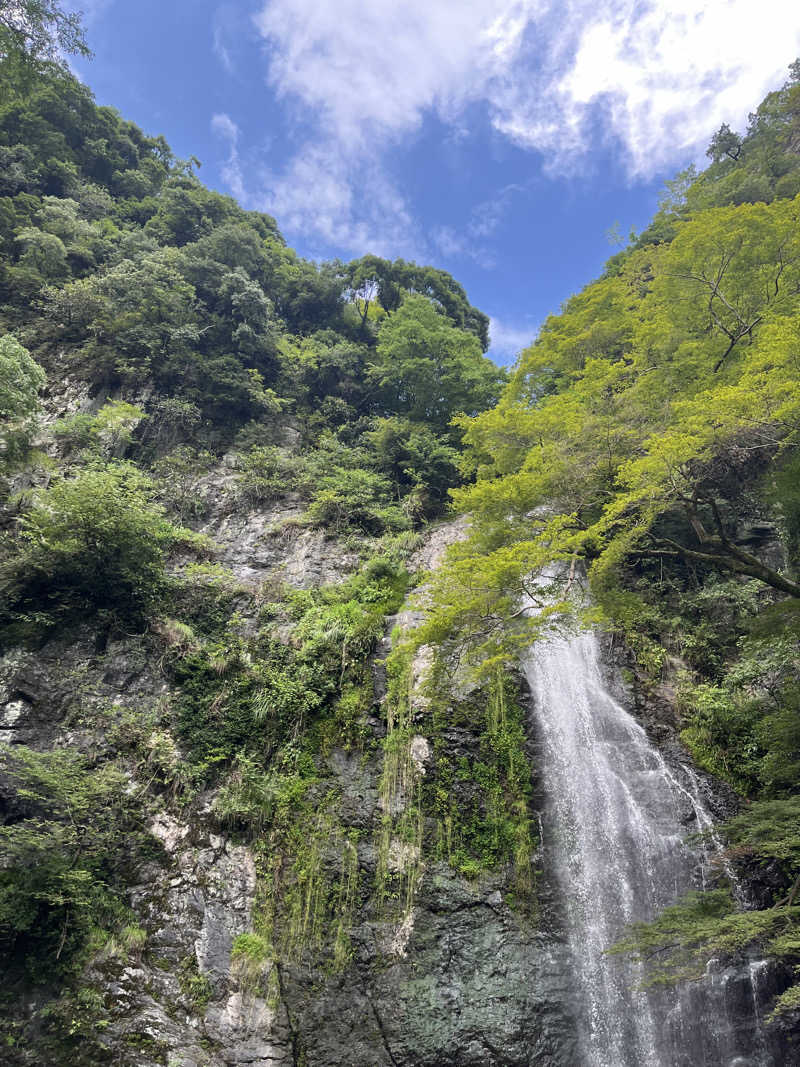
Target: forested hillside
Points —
{"points": [[273, 536], [168, 365]]}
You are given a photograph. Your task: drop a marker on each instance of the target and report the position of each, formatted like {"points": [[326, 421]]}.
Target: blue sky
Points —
{"points": [[500, 139]]}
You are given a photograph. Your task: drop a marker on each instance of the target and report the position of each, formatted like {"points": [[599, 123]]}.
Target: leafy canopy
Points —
{"points": [[63, 856], [427, 369], [34, 33]]}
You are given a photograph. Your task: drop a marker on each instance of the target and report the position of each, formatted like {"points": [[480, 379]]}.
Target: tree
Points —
{"points": [[43, 252], [417, 460], [21, 378], [92, 543], [732, 266], [37, 32], [353, 497], [63, 853], [724, 143], [372, 279], [146, 316], [428, 370]]}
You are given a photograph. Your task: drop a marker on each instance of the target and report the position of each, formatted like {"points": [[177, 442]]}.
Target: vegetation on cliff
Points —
{"points": [[165, 361]]}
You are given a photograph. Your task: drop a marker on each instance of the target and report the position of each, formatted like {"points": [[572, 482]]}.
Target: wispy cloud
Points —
{"points": [[322, 196], [473, 239], [650, 79], [488, 215], [225, 128], [225, 27]]}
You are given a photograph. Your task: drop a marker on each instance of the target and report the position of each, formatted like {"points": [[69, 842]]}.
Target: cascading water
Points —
{"points": [[616, 817]]}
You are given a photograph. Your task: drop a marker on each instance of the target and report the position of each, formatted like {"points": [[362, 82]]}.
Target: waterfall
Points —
{"points": [[616, 819]]}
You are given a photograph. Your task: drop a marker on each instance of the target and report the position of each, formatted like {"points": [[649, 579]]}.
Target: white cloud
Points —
{"points": [[320, 194], [654, 79], [506, 340], [229, 25], [376, 68], [369, 74], [224, 126]]}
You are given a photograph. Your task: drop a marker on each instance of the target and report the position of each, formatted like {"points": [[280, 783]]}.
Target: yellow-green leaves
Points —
{"points": [[647, 381]]}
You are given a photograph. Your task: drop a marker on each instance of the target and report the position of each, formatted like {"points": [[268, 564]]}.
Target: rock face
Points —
{"points": [[464, 982], [463, 976]]}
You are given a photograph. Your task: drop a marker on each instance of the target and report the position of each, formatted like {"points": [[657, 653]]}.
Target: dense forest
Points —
{"points": [[170, 368]]}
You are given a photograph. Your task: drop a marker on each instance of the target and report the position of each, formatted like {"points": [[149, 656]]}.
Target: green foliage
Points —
{"points": [[637, 446], [482, 805], [21, 378], [377, 283], [178, 475], [428, 369], [92, 543], [35, 34], [114, 255], [238, 697], [251, 958], [107, 433], [355, 497], [266, 473], [472, 811], [761, 164], [65, 853], [631, 426], [784, 491], [420, 463], [227, 702], [196, 987], [747, 728]]}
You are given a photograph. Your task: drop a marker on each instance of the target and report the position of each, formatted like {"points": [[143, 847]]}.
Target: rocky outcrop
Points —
{"points": [[464, 976]]}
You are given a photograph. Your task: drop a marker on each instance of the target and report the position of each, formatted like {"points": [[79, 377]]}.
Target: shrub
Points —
{"points": [[107, 431], [356, 498], [264, 474], [93, 543]]}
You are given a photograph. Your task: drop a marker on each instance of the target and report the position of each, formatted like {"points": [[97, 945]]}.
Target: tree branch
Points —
{"points": [[730, 558]]}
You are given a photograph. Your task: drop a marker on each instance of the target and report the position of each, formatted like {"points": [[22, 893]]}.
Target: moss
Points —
{"points": [[251, 695], [146, 1045], [471, 811], [309, 879], [482, 804]]}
